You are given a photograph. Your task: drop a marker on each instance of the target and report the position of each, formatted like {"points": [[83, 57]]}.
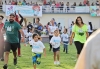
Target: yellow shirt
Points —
{"points": [[90, 55], [19, 3]]}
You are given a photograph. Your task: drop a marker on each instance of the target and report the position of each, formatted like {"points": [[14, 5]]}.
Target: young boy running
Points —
{"points": [[37, 49], [65, 40]]}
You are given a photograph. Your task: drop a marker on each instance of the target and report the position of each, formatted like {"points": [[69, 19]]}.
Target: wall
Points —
{"points": [[66, 19], [71, 17]]}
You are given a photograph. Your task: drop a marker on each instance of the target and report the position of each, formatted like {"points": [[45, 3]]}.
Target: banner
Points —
{"points": [[95, 10], [27, 11], [82, 9]]}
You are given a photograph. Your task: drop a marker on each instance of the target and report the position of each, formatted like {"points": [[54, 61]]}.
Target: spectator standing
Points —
{"points": [[9, 2], [36, 4], [44, 2], [5, 2], [51, 30], [38, 26], [74, 4], [90, 28], [20, 22], [88, 3], [13, 2], [29, 26], [97, 3], [24, 2], [92, 4], [53, 6], [1, 39], [31, 3], [57, 5], [19, 3], [85, 2], [47, 26], [54, 22], [80, 4], [71, 29], [68, 8], [62, 6], [60, 28], [51, 2]]}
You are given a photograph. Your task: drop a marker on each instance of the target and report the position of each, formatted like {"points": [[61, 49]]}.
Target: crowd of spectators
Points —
{"points": [[24, 2], [84, 3], [52, 3]]}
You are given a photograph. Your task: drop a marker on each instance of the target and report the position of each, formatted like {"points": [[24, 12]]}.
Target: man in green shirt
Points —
{"points": [[11, 29]]}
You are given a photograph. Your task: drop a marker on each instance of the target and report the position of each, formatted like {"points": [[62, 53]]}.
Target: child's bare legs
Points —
{"points": [[58, 55], [34, 66], [55, 56]]}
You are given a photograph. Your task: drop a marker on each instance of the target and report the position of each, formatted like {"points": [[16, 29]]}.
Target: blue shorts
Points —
{"points": [[56, 49], [36, 58]]}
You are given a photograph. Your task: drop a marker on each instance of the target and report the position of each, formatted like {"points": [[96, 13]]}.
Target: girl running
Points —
{"points": [[37, 49], [55, 42], [65, 37]]}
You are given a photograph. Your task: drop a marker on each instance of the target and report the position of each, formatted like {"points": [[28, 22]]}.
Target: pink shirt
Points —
{"points": [[58, 5], [13, 3]]}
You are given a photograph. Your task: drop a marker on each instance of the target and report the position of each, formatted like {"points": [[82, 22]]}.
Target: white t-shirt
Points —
{"points": [[89, 30], [55, 41], [25, 31], [37, 47], [65, 37], [52, 29]]}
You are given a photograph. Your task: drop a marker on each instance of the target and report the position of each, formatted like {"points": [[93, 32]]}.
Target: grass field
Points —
{"points": [[67, 60]]}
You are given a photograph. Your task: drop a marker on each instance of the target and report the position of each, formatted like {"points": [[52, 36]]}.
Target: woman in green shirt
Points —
{"points": [[80, 34]]}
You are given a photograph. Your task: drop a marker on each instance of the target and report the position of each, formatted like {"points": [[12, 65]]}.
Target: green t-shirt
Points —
{"points": [[12, 30], [80, 33]]}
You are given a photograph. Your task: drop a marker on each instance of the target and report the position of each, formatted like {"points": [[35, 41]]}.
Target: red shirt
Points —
{"points": [[44, 2], [1, 35], [13, 3], [16, 19]]}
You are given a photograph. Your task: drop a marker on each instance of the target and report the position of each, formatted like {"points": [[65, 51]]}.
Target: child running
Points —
{"points": [[37, 49], [65, 37], [30, 35], [39, 38], [55, 42]]}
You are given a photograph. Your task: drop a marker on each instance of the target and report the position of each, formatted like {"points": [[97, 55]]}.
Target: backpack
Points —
{"points": [[40, 28]]}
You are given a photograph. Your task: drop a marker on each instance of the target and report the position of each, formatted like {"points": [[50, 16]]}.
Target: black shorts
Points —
{"points": [[56, 49], [79, 46], [11, 46]]}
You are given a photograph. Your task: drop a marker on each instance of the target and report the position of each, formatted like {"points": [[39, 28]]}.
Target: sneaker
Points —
{"points": [[5, 66], [15, 61], [58, 63], [55, 63]]}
